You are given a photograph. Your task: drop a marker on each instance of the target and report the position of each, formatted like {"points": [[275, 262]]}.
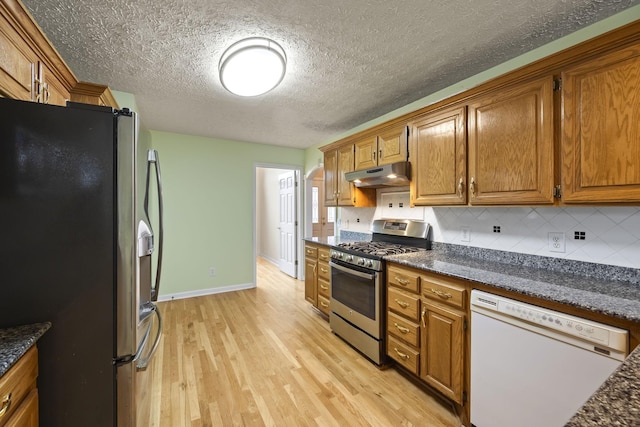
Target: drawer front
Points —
{"points": [[404, 279], [323, 255], [311, 252], [323, 270], [408, 332], [26, 414], [16, 384], [403, 354], [324, 288], [323, 304], [448, 293], [403, 303]]}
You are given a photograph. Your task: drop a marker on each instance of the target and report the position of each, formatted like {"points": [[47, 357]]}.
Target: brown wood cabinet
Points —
{"points": [[317, 276], [426, 328], [438, 155], [388, 146], [601, 129], [32, 70], [337, 190], [19, 394], [511, 145]]}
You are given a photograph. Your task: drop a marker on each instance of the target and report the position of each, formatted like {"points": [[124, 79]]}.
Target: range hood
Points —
{"points": [[391, 175]]}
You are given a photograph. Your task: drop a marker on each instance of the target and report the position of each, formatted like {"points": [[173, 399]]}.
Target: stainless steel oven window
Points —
{"points": [[356, 290]]}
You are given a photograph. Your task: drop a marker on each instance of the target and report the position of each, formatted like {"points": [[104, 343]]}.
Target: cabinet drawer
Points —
{"points": [[311, 251], [323, 270], [403, 303], [323, 254], [323, 304], [404, 279], [403, 354], [324, 288], [26, 414], [403, 329], [16, 384], [439, 290]]}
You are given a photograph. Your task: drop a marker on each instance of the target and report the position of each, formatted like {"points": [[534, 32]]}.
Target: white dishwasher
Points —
{"points": [[533, 367]]}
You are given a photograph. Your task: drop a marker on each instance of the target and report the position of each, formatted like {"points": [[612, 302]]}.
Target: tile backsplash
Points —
{"points": [[604, 235]]}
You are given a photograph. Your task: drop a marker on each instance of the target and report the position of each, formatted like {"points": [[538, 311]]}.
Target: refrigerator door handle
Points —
{"points": [[152, 157], [143, 363]]}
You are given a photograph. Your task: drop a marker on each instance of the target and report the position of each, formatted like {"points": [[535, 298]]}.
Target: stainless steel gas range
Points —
{"points": [[358, 283]]}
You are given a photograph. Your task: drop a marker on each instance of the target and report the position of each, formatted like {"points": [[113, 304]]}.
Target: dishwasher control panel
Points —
{"points": [[597, 333]]}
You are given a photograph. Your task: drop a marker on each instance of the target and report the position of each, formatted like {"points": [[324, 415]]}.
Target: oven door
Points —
{"points": [[356, 297]]}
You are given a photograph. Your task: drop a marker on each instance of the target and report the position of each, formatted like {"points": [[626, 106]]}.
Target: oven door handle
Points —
{"points": [[352, 272]]}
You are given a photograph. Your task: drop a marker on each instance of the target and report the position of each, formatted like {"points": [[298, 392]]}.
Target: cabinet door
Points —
{"points": [[27, 413], [16, 64], [392, 145], [442, 352], [330, 177], [438, 159], [53, 91], [311, 280], [345, 164], [601, 129], [366, 153], [511, 145]]}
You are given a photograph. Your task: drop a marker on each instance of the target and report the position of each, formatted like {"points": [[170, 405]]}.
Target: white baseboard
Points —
{"points": [[202, 292]]}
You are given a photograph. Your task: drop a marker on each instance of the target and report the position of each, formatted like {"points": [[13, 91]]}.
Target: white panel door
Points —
{"points": [[288, 250]]}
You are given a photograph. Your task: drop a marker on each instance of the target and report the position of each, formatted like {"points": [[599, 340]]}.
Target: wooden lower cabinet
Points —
{"points": [[317, 276], [427, 329], [19, 394]]}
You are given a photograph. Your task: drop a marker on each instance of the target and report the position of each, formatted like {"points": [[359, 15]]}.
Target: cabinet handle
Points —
{"points": [[402, 281], [315, 269], [6, 404], [402, 304], [460, 188], [323, 256], [324, 304], [424, 312], [373, 153], [324, 270], [324, 288], [380, 154], [401, 355], [445, 295], [472, 187], [401, 328]]}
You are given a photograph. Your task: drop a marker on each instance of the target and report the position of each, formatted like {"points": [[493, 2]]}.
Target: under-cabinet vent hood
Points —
{"points": [[392, 175]]}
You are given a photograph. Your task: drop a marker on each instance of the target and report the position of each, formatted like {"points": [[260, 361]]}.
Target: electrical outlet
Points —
{"points": [[466, 234], [212, 271], [556, 242]]}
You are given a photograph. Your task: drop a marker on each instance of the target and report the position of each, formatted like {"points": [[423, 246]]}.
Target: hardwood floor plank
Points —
{"points": [[265, 357]]}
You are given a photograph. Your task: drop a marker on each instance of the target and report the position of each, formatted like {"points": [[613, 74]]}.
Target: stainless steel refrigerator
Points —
{"points": [[77, 249]]}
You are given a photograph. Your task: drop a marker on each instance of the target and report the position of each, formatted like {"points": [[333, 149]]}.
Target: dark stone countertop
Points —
{"points": [[14, 343]]}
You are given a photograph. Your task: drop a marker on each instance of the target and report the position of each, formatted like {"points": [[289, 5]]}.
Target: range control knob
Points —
{"points": [[350, 258], [369, 263], [361, 261]]}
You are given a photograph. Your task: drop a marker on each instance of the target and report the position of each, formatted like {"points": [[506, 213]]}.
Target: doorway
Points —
{"points": [[270, 232], [320, 218]]}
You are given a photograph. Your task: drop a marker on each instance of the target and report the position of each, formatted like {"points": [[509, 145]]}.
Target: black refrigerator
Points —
{"points": [[77, 250]]}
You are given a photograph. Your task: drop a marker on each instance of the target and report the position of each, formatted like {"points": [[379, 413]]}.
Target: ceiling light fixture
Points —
{"points": [[252, 66]]}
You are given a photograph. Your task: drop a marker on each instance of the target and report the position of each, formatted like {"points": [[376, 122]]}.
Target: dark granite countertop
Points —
{"points": [[14, 343], [617, 401], [583, 285]]}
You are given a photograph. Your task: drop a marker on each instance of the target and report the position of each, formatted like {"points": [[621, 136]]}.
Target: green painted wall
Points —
{"points": [[208, 189], [632, 14]]}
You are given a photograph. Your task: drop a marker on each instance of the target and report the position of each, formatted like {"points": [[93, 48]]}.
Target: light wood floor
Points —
{"points": [[265, 357]]}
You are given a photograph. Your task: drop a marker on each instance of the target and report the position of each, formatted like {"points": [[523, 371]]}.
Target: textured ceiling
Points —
{"points": [[348, 61]]}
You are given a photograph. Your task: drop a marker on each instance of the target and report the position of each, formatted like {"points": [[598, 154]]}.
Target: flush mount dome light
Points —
{"points": [[252, 66]]}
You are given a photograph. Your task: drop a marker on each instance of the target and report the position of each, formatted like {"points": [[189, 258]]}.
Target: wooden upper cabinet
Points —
{"points": [[91, 93], [49, 89], [388, 146], [17, 62], [438, 155], [511, 145], [339, 191], [600, 145]]}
